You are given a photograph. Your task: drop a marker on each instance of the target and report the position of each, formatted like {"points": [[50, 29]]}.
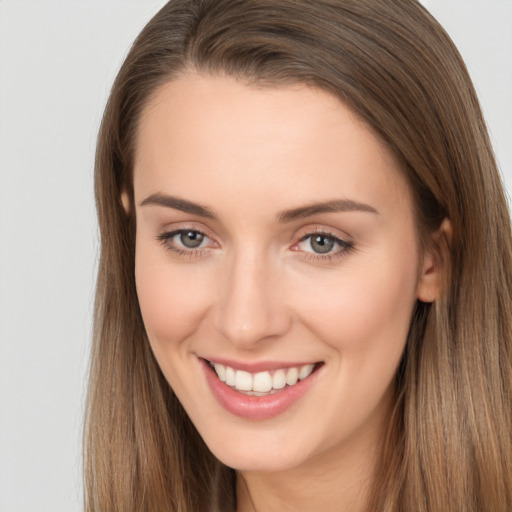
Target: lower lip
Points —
{"points": [[255, 407]]}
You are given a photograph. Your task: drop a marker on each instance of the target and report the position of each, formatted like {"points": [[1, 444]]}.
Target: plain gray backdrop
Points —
{"points": [[57, 62]]}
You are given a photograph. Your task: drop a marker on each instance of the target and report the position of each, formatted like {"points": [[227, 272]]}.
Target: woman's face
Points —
{"points": [[276, 241]]}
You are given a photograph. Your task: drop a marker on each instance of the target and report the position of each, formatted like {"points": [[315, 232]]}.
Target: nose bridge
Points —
{"points": [[251, 306]]}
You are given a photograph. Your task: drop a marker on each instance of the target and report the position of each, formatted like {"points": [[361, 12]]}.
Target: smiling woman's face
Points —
{"points": [[276, 240]]}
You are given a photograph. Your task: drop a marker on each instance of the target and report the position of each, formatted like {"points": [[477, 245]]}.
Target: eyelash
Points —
{"points": [[166, 240], [344, 246]]}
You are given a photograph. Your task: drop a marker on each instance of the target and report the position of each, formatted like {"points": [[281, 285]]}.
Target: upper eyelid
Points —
{"points": [[185, 226], [167, 235], [173, 232], [318, 230], [321, 232], [342, 243]]}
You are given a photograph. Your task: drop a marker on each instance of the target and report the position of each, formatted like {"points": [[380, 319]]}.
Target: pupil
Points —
{"points": [[322, 244], [191, 239]]}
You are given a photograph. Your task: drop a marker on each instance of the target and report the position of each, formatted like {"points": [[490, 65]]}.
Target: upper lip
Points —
{"points": [[260, 366]]}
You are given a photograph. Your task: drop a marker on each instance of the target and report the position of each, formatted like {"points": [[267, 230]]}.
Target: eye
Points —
{"points": [[321, 244], [189, 239], [324, 244], [185, 241]]}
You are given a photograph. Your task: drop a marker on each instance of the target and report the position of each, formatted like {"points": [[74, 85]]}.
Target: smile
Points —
{"points": [[263, 393], [261, 383]]}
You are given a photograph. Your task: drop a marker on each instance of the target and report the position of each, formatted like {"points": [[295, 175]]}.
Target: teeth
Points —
{"points": [[261, 382], [230, 376], [221, 371], [279, 379], [305, 371], [243, 381], [292, 376]]}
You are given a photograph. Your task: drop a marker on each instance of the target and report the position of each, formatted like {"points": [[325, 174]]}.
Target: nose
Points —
{"points": [[251, 307]]}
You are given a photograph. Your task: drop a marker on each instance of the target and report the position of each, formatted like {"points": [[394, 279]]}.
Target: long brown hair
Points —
{"points": [[449, 442]]}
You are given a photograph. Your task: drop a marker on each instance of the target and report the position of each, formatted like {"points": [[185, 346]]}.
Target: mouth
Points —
{"points": [[263, 383], [260, 391]]}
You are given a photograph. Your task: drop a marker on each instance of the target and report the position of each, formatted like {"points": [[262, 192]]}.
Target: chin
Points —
{"points": [[257, 455]]}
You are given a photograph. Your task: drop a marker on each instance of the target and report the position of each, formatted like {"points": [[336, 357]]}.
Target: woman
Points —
{"points": [[303, 296]]}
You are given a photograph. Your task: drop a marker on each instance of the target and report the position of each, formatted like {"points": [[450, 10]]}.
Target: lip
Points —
{"points": [[262, 366], [255, 407]]}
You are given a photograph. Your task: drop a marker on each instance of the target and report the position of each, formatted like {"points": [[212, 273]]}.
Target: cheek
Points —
{"points": [[172, 298], [366, 306]]}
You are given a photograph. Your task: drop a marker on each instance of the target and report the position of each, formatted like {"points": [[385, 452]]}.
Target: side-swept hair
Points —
{"points": [[449, 443]]}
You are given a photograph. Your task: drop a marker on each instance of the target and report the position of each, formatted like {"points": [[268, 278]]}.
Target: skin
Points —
{"points": [[255, 290]]}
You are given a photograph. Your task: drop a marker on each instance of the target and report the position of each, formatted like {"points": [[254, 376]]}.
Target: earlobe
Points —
{"points": [[125, 201], [436, 260]]}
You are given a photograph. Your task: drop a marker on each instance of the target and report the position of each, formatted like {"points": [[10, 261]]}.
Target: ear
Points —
{"points": [[435, 262], [125, 201]]}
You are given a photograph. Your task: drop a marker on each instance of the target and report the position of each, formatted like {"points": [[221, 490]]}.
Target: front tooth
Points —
{"points": [[230, 376], [279, 379], [305, 371], [262, 382], [220, 370], [243, 381], [292, 376]]}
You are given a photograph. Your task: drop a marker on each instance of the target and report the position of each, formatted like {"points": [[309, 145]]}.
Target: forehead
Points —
{"points": [[200, 134]]}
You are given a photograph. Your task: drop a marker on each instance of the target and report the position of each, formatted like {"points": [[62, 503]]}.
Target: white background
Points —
{"points": [[57, 61]]}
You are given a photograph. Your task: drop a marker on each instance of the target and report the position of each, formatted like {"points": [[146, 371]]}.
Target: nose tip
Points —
{"points": [[252, 308], [244, 332]]}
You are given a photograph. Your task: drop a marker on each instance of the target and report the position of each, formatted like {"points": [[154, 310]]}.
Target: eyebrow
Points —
{"points": [[338, 205], [178, 204]]}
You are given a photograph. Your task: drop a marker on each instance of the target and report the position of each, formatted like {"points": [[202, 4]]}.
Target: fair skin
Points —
{"points": [[229, 270]]}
